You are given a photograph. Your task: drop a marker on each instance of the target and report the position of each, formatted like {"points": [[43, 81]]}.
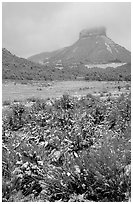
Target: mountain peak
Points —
{"points": [[92, 32], [93, 47]]}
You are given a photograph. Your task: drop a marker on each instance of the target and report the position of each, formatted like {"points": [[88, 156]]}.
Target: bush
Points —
{"points": [[15, 119], [32, 99], [70, 149], [6, 103], [98, 174], [17, 100]]}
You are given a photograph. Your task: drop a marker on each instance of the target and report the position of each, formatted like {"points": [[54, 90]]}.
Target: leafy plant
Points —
{"points": [[70, 149]]}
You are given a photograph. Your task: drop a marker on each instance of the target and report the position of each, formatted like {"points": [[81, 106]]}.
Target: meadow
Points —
{"points": [[22, 90]]}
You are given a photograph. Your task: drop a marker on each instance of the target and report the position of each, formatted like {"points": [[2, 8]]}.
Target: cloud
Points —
{"points": [[30, 28]]}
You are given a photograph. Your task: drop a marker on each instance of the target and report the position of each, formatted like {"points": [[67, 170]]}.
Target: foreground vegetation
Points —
{"points": [[70, 149]]}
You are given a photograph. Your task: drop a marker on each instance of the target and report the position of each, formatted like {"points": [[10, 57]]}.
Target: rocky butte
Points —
{"points": [[93, 48]]}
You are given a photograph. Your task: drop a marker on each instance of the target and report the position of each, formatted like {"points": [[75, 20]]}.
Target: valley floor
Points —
{"points": [[19, 91]]}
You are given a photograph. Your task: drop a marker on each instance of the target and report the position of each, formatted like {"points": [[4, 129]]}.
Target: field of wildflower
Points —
{"points": [[68, 149]]}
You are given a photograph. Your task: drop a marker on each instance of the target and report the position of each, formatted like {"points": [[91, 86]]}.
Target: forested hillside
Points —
{"points": [[15, 68]]}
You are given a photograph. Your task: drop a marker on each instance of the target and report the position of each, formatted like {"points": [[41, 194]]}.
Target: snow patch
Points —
{"points": [[59, 61], [74, 50], [108, 47], [116, 49], [59, 68], [113, 65], [41, 62], [46, 63], [59, 65]]}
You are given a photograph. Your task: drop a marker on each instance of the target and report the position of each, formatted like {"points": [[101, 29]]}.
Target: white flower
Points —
{"points": [[25, 165], [75, 154], [28, 172], [77, 168], [19, 162], [40, 163], [68, 173]]}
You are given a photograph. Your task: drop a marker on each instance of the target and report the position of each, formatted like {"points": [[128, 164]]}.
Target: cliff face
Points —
{"points": [[93, 47]]}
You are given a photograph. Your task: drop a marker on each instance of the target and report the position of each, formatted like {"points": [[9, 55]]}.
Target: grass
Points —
{"points": [[22, 92]]}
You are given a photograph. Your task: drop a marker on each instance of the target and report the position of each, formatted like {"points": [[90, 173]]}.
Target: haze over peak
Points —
{"points": [[57, 24], [95, 31]]}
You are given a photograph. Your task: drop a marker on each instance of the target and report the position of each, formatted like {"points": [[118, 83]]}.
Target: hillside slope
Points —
{"points": [[15, 68]]}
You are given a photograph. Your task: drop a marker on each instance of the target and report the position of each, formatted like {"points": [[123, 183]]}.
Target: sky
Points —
{"points": [[32, 28]]}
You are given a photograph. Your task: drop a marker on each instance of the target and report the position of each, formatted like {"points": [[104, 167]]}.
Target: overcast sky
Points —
{"points": [[31, 28]]}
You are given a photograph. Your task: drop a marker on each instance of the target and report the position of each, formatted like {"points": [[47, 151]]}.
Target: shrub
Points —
{"points": [[16, 118], [98, 174], [70, 149], [127, 86], [6, 103], [32, 99], [17, 100]]}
